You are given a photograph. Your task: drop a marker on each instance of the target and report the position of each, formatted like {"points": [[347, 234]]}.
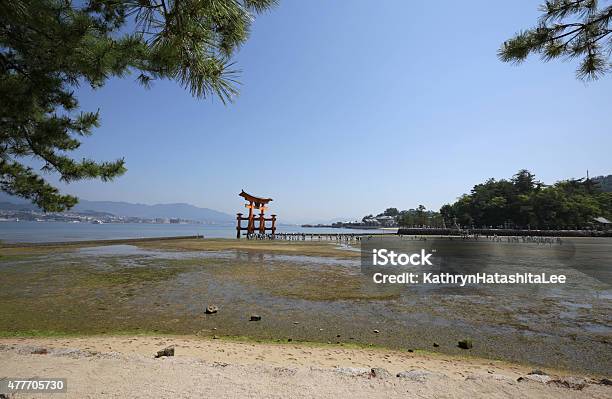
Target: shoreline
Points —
{"points": [[222, 367], [147, 343], [418, 232]]}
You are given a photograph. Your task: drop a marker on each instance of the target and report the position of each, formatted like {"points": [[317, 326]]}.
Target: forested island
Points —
{"points": [[521, 202], [525, 202]]}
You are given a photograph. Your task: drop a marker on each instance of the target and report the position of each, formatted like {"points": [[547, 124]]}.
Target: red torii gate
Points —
{"points": [[259, 204]]}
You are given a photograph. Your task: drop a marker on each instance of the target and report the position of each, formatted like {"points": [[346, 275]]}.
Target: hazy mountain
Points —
{"points": [[5, 198], [11, 206], [183, 211]]}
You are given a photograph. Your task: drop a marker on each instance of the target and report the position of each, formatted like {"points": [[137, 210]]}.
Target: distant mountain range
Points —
{"points": [[180, 210]]}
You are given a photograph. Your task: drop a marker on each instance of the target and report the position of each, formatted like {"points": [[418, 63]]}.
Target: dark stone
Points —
{"points": [[541, 378], [435, 344], [465, 344], [255, 317], [210, 309], [284, 371], [418, 375], [353, 371], [570, 382], [169, 351], [410, 350], [378, 372]]}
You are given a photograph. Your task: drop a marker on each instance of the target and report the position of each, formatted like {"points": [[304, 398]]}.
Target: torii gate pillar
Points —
{"points": [[255, 203]]}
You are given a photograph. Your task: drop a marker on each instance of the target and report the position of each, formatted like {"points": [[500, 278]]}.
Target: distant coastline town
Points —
{"points": [[84, 217], [383, 220]]}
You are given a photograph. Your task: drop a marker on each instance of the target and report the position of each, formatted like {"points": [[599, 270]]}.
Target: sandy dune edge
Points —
{"points": [[124, 367]]}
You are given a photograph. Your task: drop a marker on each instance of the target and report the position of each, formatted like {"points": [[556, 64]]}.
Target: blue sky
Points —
{"points": [[347, 108]]}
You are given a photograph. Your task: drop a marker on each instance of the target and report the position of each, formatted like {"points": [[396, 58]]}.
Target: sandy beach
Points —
{"points": [[125, 366]]}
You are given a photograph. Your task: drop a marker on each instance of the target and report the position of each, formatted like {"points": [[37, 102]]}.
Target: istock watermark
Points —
{"points": [[448, 262], [384, 257], [464, 279]]}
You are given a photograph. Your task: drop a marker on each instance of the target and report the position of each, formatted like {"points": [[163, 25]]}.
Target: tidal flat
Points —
{"points": [[309, 291]]}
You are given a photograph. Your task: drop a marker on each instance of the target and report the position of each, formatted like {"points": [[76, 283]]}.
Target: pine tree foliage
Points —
{"points": [[567, 29], [48, 48]]}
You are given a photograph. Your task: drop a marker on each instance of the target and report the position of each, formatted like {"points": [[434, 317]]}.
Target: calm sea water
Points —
{"points": [[12, 232]]}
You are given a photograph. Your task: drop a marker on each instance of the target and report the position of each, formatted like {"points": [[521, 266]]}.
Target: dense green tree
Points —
{"points": [[567, 29], [363, 219], [407, 218], [448, 215], [420, 217], [525, 182], [391, 212], [526, 203], [604, 183], [50, 47]]}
